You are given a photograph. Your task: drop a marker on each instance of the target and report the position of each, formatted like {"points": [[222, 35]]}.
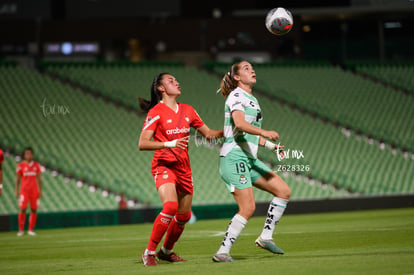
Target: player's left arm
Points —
{"points": [[209, 133], [39, 184], [277, 148], [198, 124]]}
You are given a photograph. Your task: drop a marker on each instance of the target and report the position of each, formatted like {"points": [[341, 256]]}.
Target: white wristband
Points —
{"points": [[170, 144], [270, 145]]}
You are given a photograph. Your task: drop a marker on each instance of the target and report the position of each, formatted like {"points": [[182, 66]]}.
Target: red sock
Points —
{"points": [[175, 229], [161, 224], [32, 221], [21, 219]]}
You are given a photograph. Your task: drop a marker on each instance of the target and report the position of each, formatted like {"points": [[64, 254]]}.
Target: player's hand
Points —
{"points": [[182, 143], [279, 149], [272, 135]]}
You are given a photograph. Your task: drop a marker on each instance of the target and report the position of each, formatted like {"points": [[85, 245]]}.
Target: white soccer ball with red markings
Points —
{"points": [[279, 21]]}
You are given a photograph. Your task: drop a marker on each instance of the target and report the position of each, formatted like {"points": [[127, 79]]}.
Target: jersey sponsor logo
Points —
{"points": [[29, 174], [177, 130], [259, 116]]}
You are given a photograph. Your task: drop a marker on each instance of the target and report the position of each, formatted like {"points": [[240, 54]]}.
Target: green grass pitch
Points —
{"points": [[362, 242]]}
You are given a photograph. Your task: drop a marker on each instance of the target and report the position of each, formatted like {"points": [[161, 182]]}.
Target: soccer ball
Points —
{"points": [[279, 21]]}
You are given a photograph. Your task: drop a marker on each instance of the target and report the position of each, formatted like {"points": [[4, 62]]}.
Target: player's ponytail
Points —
{"points": [[156, 95], [228, 83]]}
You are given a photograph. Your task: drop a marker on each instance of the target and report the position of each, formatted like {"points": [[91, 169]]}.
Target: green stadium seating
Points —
{"points": [[97, 140], [342, 97], [206, 84], [59, 193], [93, 133], [398, 74]]}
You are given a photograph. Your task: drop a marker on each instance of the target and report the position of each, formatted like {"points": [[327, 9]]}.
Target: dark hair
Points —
{"points": [[228, 83], [27, 149], [156, 95]]}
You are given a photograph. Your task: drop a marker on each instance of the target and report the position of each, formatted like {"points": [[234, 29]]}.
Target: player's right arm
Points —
{"points": [[18, 178], [146, 143], [241, 124]]}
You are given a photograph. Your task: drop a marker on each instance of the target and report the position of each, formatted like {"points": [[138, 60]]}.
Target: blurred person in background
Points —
{"points": [[122, 202], [28, 173]]}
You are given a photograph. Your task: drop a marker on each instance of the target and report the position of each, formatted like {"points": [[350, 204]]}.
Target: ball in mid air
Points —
{"points": [[279, 21]]}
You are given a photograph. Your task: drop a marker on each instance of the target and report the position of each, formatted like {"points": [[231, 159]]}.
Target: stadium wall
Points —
{"points": [[202, 212]]}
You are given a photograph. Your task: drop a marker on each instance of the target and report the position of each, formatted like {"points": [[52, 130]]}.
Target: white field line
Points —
{"points": [[207, 234]]}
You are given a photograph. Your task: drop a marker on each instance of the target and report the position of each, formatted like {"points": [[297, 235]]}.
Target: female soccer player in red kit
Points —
{"points": [[28, 172], [168, 125]]}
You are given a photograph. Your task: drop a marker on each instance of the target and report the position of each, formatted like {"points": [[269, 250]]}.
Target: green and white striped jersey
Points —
{"points": [[234, 138]]}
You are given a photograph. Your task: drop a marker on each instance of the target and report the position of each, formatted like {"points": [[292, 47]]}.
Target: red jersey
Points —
{"points": [[169, 125], [1, 156], [28, 172]]}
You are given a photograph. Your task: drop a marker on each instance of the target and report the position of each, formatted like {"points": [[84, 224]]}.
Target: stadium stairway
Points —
{"points": [[344, 158], [397, 75], [97, 140], [340, 97], [201, 85], [192, 79], [205, 84]]}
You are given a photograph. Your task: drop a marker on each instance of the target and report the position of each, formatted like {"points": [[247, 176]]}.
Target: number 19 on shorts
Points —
{"points": [[240, 167]]}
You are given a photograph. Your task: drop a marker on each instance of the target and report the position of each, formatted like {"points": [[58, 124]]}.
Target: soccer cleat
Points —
{"points": [[222, 258], [20, 233], [149, 260], [268, 245], [172, 257], [31, 233]]}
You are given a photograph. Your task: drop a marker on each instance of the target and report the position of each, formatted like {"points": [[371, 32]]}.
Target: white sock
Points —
{"points": [[166, 251], [236, 226], [148, 252], [274, 214]]}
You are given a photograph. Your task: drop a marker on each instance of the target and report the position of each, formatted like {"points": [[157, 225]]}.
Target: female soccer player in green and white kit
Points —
{"points": [[239, 166]]}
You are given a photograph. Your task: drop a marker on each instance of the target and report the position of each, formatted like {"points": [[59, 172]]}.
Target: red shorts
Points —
{"points": [[183, 181], [26, 197]]}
